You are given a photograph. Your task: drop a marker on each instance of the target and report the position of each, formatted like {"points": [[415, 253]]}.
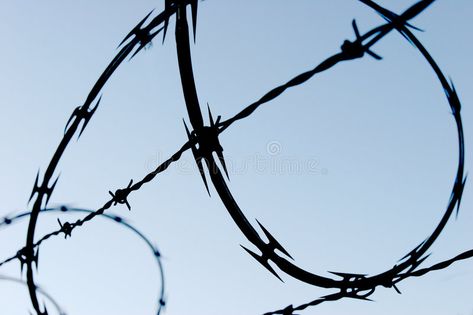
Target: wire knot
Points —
{"points": [[66, 228], [27, 255], [121, 195]]}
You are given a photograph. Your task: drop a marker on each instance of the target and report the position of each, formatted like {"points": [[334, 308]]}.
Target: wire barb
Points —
{"points": [[355, 49], [263, 260], [121, 195], [66, 228], [27, 255], [82, 113], [43, 189]]}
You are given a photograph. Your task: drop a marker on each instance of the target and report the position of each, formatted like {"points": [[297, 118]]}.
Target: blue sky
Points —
{"points": [[349, 171]]}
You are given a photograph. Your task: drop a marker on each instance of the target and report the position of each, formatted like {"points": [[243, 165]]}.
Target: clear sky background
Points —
{"points": [[349, 171]]}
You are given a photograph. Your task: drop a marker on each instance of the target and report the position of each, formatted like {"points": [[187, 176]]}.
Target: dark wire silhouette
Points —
{"points": [[351, 285], [11, 219], [82, 113], [41, 291], [203, 141]]}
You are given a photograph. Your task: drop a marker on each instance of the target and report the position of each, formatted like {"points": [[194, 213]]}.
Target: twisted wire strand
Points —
{"points": [[139, 36], [417, 256], [11, 219], [112, 202], [372, 36], [351, 285]]}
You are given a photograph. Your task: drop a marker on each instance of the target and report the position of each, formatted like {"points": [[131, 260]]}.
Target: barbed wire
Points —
{"points": [[203, 140], [351, 285], [13, 218], [40, 291]]}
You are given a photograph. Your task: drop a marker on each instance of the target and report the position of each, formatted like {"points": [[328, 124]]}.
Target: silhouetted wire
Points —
{"points": [[41, 291], [141, 37], [351, 285], [206, 137], [417, 256], [11, 219]]}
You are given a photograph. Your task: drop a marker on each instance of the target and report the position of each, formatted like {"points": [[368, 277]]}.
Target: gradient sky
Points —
{"points": [[349, 171]]}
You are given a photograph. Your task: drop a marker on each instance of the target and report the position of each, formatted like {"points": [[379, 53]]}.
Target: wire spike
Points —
{"points": [[36, 258], [87, 115], [363, 298], [420, 261], [187, 129], [50, 191], [135, 29], [262, 261], [211, 119], [374, 55], [198, 160], [273, 242], [412, 252], [453, 98], [194, 7], [144, 44], [348, 275], [127, 204], [167, 5], [460, 195], [397, 289], [137, 51], [149, 41], [45, 312], [355, 29], [222, 161], [75, 113], [35, 187]]}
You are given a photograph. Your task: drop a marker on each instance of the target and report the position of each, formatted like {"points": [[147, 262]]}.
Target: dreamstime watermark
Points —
{"points": [[271, 162], [273, 148]]}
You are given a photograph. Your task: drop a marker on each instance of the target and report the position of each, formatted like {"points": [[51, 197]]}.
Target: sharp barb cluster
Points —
{"points": [[43, 189], [355, 49], [82, 113], [263, 260], [273, 243]]}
